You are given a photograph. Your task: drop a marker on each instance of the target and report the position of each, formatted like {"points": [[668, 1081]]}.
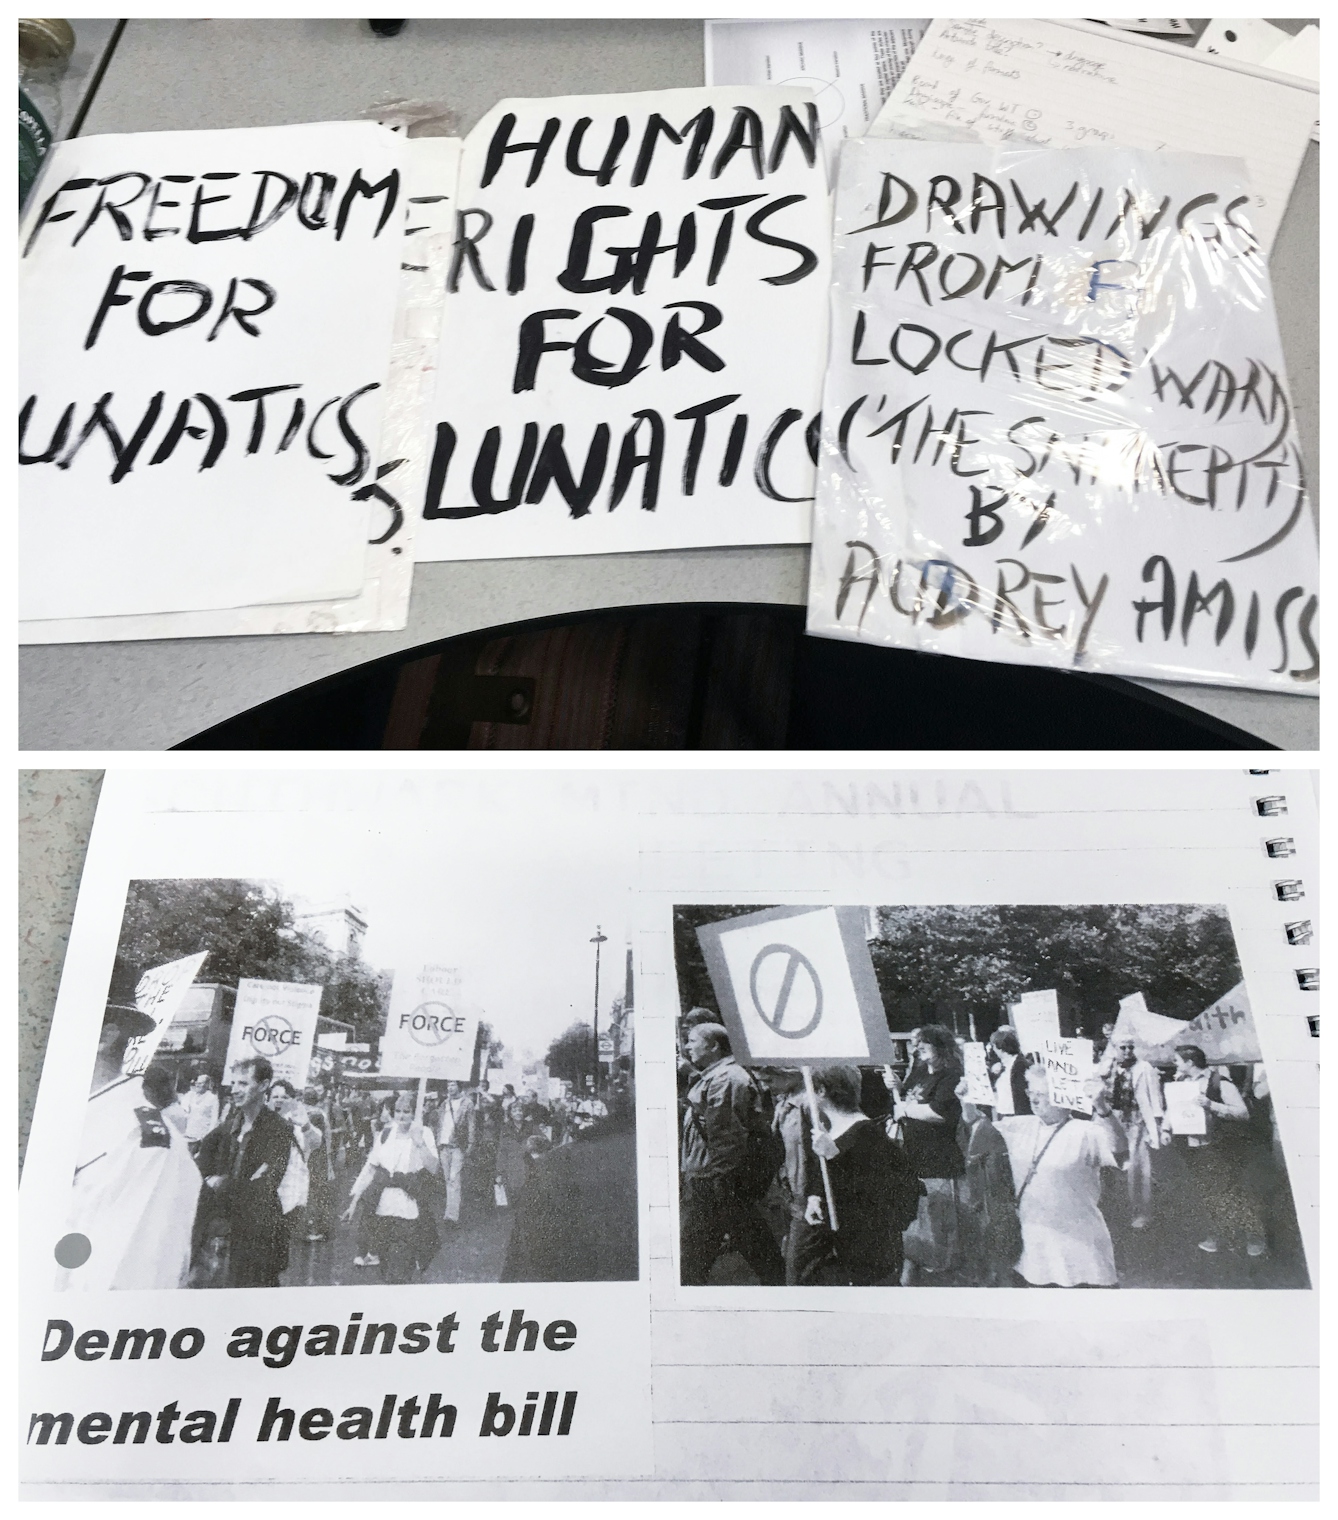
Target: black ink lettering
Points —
{"points": [[358, 468], [725, 231], [485, 467], [978, 536], [1091, 606], [996, 207], [762, 465], [886, 217], [1196, 602], [1033, 214], [466, 248], [1279, 617], [808, 260], [629, 461], [315, 217], [552, 468], [745, 132], [501, 145], [442, 449], [575, 277], [867, 576], [533, 343], [46, 215], [697, 415], [111, 297], [593, 370], [609, 163], [258, 421], [203, 294], [806, 136], [738, 431], [701, 125], [268, 296], [360, 187], [58, 438], [114, 208], [677, 342], [945, 201], [520, 247], [194, 233], [1166, 606]]}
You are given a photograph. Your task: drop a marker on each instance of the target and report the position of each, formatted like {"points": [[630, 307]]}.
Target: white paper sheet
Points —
{"points": [[1175, 536], [132, 304], [431, 165], [1067, 84], [431, 863], [592, 400], [1136, 1395], [851, 66]]}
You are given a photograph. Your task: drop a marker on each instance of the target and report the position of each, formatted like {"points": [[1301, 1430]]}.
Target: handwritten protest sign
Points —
{"points": [[1184, 1113], [1056, 425], [429, 1031], [796, 987], [635, 326], [205, 338], [276, 1020], [159, 993], [979, 1088], [1035, 1016], [1069, 1071]]}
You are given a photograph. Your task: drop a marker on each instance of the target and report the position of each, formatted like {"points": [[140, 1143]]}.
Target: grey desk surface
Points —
{"points": [[224, 73]]}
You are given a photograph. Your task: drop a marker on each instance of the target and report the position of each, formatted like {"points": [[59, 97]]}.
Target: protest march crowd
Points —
{"points": [[862, 1176], [204, 1189]]}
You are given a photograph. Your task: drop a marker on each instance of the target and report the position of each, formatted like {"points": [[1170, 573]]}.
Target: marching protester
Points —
{"points": [[792, 1123], [1133, 1090], [1008, 1074], [927, 1111], [875, 1192], [394, 1190], [1057, 1161], [725, 1163], [251, 1158], [478, 1178], [1223, 1202], [989, 1235], [452, 1140]]}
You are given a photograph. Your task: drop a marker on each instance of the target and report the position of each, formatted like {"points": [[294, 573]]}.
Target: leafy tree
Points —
{"points": [[571, 1055], [249, 930], [948, 963]]}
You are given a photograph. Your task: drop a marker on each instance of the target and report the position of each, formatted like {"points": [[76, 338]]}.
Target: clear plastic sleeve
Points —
{"points": [[1056, 422]]}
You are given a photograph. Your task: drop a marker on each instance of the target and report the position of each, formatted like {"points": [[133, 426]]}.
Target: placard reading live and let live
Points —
{"points": [[1056, 426], [635, 326], [205, 338]]}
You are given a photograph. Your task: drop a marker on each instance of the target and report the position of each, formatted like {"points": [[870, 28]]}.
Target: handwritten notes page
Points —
{"points": [[851, 66], [635, 326], [205, 336], [1070, 85], [1056, 427], [431, 165]]}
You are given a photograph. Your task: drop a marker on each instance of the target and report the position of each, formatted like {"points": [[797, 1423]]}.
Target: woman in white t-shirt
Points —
{"points": [[1057, 1161], [403, 1157]]}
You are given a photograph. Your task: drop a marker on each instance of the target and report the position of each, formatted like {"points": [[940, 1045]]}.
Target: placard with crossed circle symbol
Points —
{"points": [[796, 986]]}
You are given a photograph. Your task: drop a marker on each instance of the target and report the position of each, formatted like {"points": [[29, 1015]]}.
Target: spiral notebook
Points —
{"points": [[1179, 904]]}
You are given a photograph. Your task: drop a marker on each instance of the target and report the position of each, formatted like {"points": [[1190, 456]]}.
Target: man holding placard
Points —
{"points": [[1209, 1140]]}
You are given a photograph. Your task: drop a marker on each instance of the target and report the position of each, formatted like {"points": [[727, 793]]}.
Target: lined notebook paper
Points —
{"points": [[1070, 85], [823, 1392]]}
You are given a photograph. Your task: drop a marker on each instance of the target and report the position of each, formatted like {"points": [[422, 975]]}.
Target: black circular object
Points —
{"points": [[386, 28]]}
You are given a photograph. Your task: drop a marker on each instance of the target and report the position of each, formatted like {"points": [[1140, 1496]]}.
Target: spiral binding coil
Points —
{"points": [[1289, 889]]}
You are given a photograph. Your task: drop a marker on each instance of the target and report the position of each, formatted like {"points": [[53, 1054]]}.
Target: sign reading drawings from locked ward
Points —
{"points": [[429, 1033], [276, 1020], [796, 987]]}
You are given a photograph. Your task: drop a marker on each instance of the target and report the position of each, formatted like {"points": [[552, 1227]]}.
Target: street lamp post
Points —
{"points": [[597, 940]]}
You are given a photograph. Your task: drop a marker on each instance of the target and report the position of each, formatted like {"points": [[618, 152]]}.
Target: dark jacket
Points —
{"points": [[724, 1109], [877, 1196], [254, 1168]]}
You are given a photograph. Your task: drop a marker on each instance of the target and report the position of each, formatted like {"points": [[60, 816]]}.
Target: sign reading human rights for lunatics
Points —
{"points": [[796, 987]]}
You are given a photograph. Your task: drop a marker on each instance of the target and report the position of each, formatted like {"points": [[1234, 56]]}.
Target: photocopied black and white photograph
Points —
{"points": [[293, 1090], [975, 1096], [333, 1177]]}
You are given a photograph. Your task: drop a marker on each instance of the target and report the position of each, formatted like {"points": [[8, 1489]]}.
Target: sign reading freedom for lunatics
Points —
{"points": [[796, 987]]}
